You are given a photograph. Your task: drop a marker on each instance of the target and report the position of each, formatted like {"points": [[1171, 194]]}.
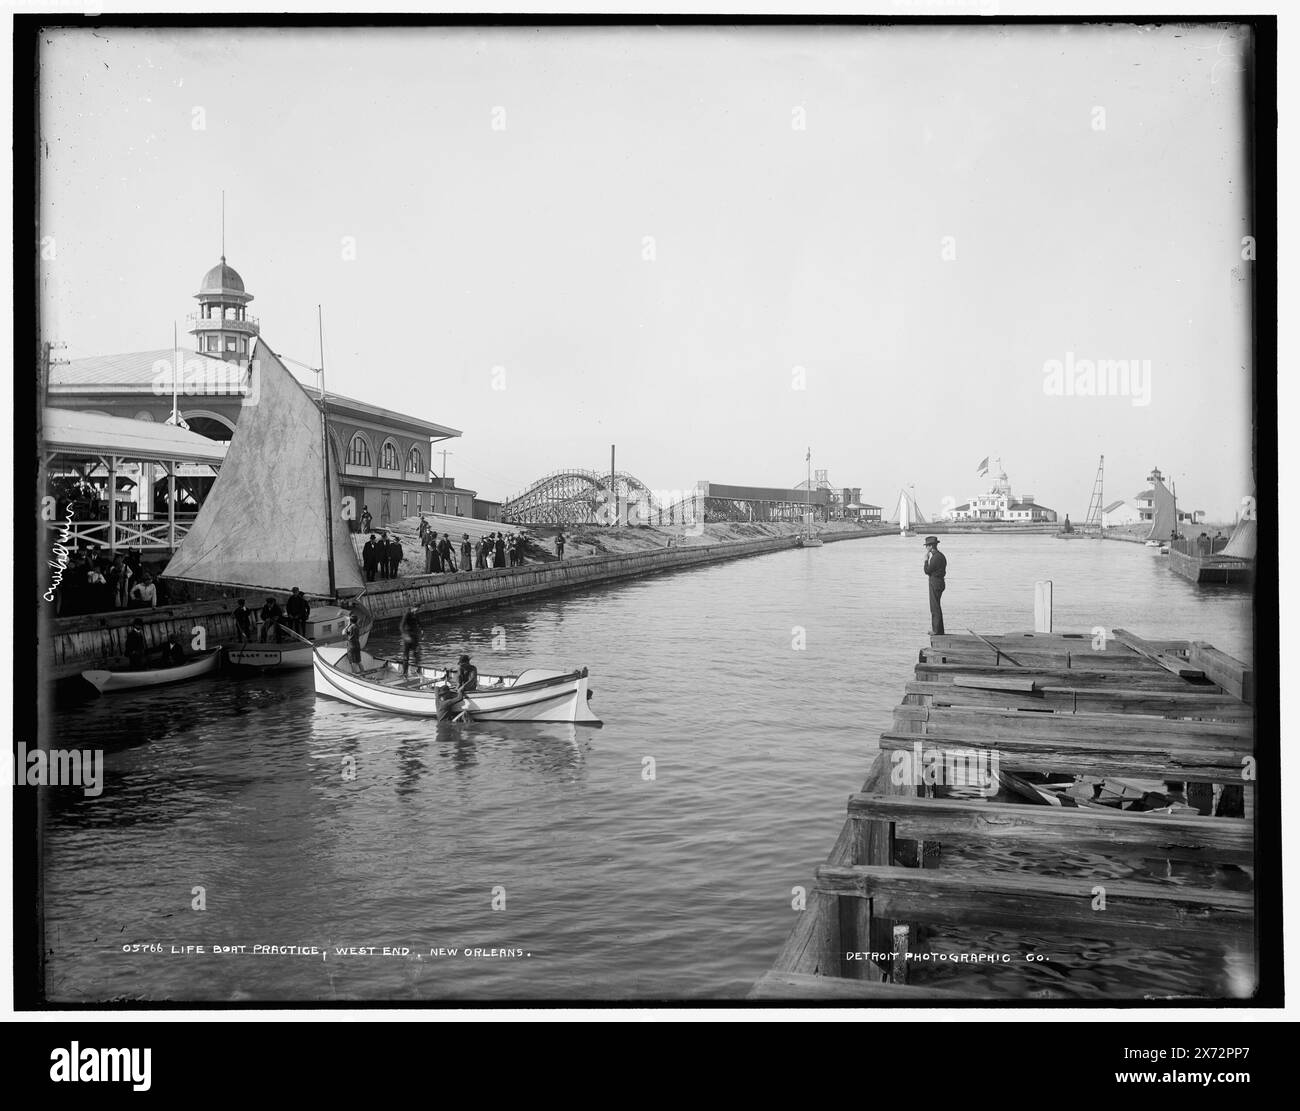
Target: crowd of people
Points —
{"points": [[97, 583], [382, 555], [444, 554], [272, 619]]}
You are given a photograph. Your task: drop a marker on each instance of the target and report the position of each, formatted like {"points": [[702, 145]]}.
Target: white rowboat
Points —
{"points": [[106, 681], [538, 694]]}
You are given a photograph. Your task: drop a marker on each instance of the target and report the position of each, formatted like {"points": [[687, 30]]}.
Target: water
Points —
{"points": [[609, 884]]}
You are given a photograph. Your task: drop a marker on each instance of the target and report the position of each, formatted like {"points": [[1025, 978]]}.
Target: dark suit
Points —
{"points": [[370, 557], [936, 569]]}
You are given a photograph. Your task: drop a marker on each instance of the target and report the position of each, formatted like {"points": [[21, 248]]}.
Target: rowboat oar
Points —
{"points": [[298, 636], [999, 653]]}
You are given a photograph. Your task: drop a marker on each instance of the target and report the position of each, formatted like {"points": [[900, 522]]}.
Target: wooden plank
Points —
{"points": [[1136, 913], [999, 653], [1154, 680], [1065, 725], [801, 987], [1059, 643], [1220, 840], [1175, 665], [1101, 757], [1214, 705], [1080, 660], [1010, 683], [1235, 677]]}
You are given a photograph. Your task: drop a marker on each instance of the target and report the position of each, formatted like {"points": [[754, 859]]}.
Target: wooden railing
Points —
{"points": [[144, 535]]}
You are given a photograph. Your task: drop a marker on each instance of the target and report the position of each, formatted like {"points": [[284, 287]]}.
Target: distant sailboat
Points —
{"points": [[908, 514]]}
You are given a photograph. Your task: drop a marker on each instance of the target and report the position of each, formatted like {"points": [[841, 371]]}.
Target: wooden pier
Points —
{"points": [[1027, 749]]}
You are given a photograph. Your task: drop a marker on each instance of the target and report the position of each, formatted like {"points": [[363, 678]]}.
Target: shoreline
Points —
{"points": [[595, 556]]}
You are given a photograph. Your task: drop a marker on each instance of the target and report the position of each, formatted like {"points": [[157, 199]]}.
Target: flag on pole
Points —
{"points": [[808, 458], [983, 468]]}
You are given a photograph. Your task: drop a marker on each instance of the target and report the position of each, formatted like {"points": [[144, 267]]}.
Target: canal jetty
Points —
{"points": [[1009, 756]]}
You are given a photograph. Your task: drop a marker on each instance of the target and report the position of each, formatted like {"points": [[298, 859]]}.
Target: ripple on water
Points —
{"points": [[617, 885]]}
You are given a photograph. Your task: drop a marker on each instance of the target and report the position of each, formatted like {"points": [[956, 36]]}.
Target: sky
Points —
{"points": [[717, 248]]}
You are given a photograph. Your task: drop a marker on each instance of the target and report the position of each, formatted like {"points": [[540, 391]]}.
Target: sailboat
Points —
{"points": [[807, 539], [260, 531]]}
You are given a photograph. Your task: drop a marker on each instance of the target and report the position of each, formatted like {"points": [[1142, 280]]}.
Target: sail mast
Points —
{"points": [[325, 457]]}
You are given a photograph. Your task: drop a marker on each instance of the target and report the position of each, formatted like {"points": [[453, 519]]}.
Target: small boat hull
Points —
{"points": [[536, 695], [109, 681], [325, 627]]}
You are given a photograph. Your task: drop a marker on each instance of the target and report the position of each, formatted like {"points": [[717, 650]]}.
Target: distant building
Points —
{"points": [[761, 503], [845, 502], [1120, 513], [386, 456], [999, 504]]}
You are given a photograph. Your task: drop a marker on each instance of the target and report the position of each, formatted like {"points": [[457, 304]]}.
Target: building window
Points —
{"points": [[388, 461], [213, 344], [230, 343], [456, 499], [243, 346], [419, 503], [405, 511], [415, 461], [359, 452]]}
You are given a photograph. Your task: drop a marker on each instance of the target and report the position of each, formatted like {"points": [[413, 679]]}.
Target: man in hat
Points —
{"points": [[370, 558], [936, 568], [298, 609], [135, 644], [271, 615], [466, 676], [243, 622]]}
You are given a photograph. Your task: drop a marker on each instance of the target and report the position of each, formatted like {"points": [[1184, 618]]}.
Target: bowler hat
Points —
{"points": [[929, 540]]}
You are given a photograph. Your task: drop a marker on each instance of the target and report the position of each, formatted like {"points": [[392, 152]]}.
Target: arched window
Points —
{"points": [[388, 460], [359, 452], [415, 461]]}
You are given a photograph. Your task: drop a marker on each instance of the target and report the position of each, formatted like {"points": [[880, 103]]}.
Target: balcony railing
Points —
{"points": [[223, 323]]}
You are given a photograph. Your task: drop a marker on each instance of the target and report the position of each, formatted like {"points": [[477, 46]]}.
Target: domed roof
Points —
{"points": [[222, 279]]}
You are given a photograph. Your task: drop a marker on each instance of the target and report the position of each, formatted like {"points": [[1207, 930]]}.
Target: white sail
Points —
{"points": [[904, 513], [264, 522]]}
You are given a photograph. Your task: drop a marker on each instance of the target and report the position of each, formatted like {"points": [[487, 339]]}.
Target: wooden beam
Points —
{"points": [[1155, 679], [794, 986], [991, 683], [1218, 840], [1189, 702], [1081, 659], [1136, 913], [998, 653], [1101, 756], [1235, 677], [1175, 665], [923, 719]]}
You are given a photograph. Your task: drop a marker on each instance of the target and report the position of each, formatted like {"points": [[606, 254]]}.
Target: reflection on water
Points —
{"points": [[650, 859]]}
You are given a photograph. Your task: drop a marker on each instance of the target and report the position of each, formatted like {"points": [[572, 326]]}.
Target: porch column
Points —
{"points": [[112, 505], [171, 505]]}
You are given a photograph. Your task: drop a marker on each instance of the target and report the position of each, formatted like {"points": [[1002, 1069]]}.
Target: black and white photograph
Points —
{"points": [[648, 512]]}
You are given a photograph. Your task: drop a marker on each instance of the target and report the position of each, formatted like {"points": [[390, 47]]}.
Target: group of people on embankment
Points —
{"points": [[97, 583]]}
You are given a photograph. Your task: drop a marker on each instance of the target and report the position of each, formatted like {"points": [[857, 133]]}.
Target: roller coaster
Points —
{"points": [[578, 497]]}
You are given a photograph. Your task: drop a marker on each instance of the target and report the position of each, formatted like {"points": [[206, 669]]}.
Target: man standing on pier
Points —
{"points": [[936, 568], [370, 558]]}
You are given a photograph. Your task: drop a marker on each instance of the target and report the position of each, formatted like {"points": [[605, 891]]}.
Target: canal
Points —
{"points": [[652, 859]]}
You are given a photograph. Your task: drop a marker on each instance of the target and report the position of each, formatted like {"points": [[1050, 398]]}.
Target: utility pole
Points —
{"points": [[324, 437]]}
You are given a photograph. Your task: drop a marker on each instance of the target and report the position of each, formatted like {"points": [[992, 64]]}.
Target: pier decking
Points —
{"points": [[1116, 720]]}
